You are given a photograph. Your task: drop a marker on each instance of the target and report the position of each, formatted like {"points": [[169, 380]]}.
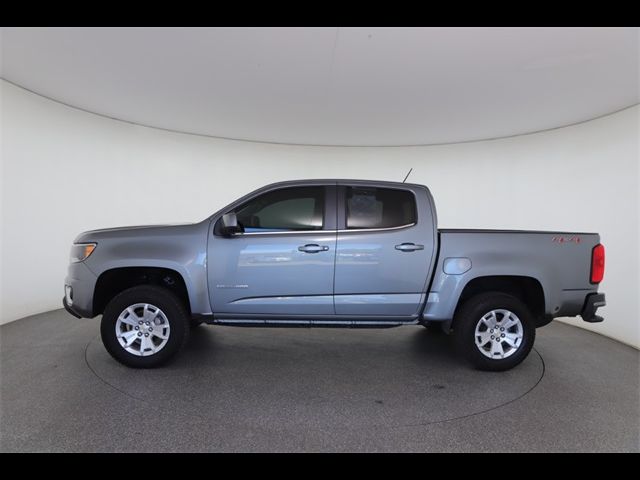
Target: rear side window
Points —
{"points": [[295, 208], [379, 207]]}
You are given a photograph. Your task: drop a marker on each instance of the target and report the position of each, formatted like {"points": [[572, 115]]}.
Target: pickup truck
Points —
{"points": [[331, 253]]}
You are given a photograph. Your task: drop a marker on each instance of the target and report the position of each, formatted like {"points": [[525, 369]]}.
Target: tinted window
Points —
{"points": [[297, 208], [379, 207]]}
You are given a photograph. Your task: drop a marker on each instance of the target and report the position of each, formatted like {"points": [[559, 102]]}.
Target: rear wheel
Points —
{"points": [[144, 326], [494, 331]]}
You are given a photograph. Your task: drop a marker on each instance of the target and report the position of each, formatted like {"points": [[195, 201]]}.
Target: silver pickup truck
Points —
{"points": [[331, 253]]}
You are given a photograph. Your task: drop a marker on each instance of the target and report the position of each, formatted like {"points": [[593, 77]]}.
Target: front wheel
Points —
{"points": [[494, 331], [144, 326]]}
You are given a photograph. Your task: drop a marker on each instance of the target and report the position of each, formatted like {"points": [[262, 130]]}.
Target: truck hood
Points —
{"points": [[134, 231]]}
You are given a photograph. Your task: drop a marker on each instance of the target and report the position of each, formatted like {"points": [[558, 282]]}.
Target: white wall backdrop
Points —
{"points": [[64, 171]]}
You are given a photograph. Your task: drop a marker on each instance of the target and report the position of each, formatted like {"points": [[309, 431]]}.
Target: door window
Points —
{"points": [[295, 208], [379, 208]]}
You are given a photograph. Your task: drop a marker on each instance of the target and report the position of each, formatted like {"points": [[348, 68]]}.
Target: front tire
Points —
{"points": [[494, 331], [144, 326]]}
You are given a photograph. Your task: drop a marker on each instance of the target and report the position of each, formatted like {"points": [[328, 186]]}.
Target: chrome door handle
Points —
{"points": [[409, 247], [313, 248]]}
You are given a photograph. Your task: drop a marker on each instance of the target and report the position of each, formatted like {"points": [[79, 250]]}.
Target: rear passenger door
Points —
{"points": [[384, 250]]}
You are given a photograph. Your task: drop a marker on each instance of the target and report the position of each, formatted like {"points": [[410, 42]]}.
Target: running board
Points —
{"points": [[235, 322]]}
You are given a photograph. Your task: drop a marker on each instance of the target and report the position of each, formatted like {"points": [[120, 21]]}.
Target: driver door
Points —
{"points": [[283, 262]]}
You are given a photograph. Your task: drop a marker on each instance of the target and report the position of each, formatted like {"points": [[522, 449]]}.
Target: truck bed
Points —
{"points": [[559, 261]]}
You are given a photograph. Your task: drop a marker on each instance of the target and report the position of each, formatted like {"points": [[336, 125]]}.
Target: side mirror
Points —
{"points": [[229, 224]]}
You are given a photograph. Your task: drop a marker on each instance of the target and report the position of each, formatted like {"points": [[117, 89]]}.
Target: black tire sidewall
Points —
{"points": [[473, 310], [159, 297]]}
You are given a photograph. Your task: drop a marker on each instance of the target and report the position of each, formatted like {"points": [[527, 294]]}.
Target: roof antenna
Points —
{"points": [[405, 178]]}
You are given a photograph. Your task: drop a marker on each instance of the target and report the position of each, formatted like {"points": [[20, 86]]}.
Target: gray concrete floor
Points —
{"points": [[247, 389]]}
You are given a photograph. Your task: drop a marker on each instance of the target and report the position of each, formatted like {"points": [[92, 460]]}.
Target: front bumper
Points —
{"points": [[79, 286], [591, 305], [69, 309]]}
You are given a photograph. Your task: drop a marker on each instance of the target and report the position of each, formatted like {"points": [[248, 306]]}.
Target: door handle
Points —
{"points": [[409, 247], [313, 248]]}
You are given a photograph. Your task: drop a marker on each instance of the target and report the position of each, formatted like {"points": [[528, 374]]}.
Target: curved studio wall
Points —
{"points": [[65, 170]]}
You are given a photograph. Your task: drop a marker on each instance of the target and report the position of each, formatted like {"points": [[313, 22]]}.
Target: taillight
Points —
{"points": [[597, 263]]}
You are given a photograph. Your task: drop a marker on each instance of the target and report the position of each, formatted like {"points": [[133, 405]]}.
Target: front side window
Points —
{"points": [[379, 207], [295, 208]]}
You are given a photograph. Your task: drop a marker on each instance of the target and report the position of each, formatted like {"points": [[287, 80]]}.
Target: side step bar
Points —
{"points": [[235, 322]]}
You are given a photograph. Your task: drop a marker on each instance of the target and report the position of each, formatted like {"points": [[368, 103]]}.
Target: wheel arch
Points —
{"points": [[527, 289], [115, 280]]}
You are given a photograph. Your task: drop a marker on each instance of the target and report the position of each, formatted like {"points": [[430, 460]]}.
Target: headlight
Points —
{"points": [[81, 251]]}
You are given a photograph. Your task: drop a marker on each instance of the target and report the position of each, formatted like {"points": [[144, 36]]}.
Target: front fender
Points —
{"points": [[182, 250]]}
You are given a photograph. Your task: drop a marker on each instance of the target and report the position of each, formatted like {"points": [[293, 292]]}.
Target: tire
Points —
{"points": [[473, 331], [124, 313]]}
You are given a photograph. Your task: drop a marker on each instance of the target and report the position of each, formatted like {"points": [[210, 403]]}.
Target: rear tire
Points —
{"points": [[494, 331], [144, 326]]}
